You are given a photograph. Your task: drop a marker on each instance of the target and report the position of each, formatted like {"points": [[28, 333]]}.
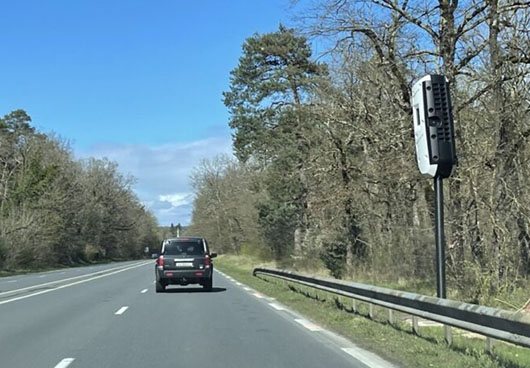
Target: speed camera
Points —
{"points": [[433, 126]]}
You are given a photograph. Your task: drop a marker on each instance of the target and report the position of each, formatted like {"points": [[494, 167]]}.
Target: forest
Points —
{"points": [[59, 211], [324, 171]]}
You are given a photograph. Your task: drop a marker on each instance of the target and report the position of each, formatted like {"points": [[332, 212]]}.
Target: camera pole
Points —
{"points": [[440, 237]]}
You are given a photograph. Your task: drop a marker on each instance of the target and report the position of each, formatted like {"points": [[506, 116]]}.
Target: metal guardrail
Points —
{"points": [[495, 323]]}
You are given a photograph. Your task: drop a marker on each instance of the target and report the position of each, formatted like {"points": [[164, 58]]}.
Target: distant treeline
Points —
{"points": [[55, 210], [326, 170]]}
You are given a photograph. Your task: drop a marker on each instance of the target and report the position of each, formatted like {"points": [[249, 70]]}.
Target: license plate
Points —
{"points": [[184, 264]]}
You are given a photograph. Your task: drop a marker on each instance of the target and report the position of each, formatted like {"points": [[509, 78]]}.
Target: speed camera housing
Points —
{"points": [[433, 126]]}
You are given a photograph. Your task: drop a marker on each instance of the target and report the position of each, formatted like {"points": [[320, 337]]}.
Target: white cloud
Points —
{"points": [[162, 172], [177, 199]]}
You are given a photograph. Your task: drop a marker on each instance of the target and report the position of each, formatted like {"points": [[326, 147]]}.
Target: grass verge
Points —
{"points": [[394, 342]]}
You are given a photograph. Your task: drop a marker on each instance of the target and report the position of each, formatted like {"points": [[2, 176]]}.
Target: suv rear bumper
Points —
{"points": [[182, 277]]}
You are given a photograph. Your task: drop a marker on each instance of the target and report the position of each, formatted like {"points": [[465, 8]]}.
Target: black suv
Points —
{"points": [[184, 261]]}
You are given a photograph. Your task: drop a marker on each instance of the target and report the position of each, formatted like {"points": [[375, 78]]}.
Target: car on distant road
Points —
{"points": [[184, 261]]}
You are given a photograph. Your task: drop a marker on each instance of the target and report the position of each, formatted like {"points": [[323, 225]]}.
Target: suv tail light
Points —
{"points": [[207, 261], [160, 262]]}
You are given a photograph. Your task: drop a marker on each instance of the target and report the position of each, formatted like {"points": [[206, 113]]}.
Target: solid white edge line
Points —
{"points": [[121, 310], [238, 284], [366, 357], [64, 363], [144, 291], [276, 306], [259, 296], [71, 284], [61, 280], [309, 325], [246, 288]]}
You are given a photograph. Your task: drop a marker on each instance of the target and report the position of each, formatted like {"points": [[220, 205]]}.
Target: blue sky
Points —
{"points": [[139, 82]]}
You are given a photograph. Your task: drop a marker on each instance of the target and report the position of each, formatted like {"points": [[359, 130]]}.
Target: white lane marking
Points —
{"points": [[121, 310], [309, 325], [72, 284], [42, 276], [238, 283], [154, 282], [246, 288], [62, 273], [12, 281], [367, 358], [64, 363], [276, 306], [144, 291], [259, 296], [62, 280]]}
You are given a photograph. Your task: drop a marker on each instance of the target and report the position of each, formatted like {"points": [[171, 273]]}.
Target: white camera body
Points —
{"points": [[433, 126]]}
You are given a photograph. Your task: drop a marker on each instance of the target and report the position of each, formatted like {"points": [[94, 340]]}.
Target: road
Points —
{"points": [[110, 316]]}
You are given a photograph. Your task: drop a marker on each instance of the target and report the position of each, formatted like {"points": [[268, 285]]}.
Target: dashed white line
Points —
{"points": [[121, 310], [309, 325], [12, 281], [144, 291], [246, 288], [238, 283], [42, 276], [64, 363], [259, 296], [368, 358], [276, 306]]}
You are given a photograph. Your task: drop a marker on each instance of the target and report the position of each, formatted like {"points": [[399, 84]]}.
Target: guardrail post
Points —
{"points": [[448, 335], [489, 345], [415, 327], [390, 316], [354, 305], [371, 310]]}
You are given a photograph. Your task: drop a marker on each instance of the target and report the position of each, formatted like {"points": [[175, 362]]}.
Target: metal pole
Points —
{"points": [[440, 241]]}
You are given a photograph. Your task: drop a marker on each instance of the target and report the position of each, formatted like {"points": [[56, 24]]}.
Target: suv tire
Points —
{"points": [[160, 287], [208, 283]]}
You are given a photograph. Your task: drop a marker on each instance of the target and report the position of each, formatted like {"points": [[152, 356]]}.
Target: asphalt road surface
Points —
{"points": [[110, 316]]}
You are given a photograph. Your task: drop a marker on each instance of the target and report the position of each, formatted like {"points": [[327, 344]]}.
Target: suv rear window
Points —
{"points": [[178, 248]]}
